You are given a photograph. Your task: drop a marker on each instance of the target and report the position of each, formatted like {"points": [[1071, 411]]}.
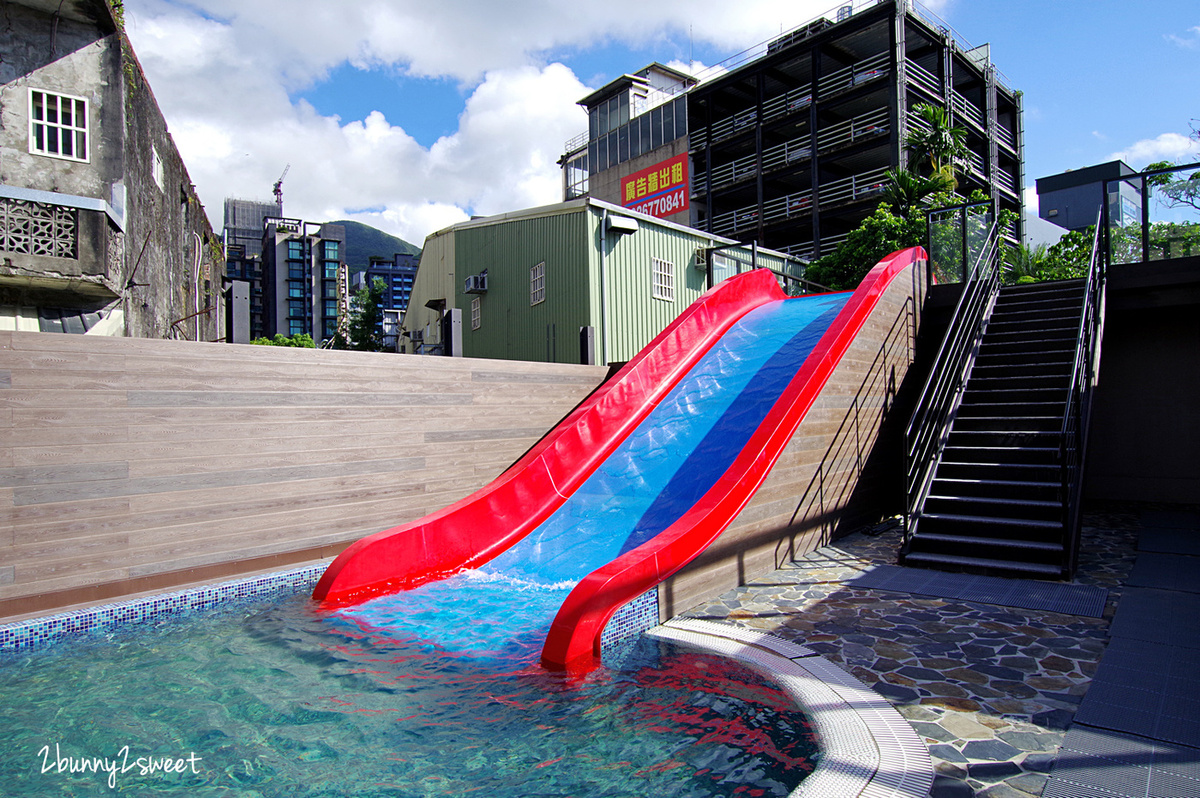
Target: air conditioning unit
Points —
{"points": [[476, 283]]}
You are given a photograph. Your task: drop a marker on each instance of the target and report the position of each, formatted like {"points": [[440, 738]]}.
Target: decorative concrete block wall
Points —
{"points": [[130, 465]]}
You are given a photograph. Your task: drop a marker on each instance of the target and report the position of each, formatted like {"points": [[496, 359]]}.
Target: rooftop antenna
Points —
{"points": [[279, 189]]}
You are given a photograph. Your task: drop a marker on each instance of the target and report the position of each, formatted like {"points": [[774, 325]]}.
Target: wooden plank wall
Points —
{"points": [[822, 485], [129, 465]]}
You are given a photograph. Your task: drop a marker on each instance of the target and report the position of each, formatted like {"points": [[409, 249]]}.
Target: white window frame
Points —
{"points": [[157, 169], [537, 284], [662, 279], [476, 313], [77, 131]]}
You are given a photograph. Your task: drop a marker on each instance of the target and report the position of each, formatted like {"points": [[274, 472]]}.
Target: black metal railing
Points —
{"points": [[926, 433], [1073, 439]]}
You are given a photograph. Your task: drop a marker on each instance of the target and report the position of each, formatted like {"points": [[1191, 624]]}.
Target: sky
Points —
{"points": [[412, 116]]}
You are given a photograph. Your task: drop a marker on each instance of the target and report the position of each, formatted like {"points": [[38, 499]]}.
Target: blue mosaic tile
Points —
{"points": [[631, 619], [36, 632]]}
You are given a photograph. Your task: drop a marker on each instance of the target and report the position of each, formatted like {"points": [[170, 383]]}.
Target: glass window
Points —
{"points": [[331, 290], [331, 250], [644, 124], [602, 117], [476, 313], [656, 127], [295, 326], [623, 105], [58, 125], [295, 270], [295, 250], [295, 289], [679, 109], [668, 122], [623, 144], [330, 308], [662, 279], [537, 284], [331, 269], [296, 307]]}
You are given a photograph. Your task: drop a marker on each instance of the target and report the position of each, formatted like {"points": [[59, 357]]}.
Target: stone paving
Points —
{"points": [[991, 689]]}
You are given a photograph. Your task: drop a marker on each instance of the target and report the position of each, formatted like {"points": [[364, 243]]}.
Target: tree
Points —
{"points": [[1175, 189], [907, 191], [942, 143], [366, 319], [301, 340], [880, 234], [1022, 264]]}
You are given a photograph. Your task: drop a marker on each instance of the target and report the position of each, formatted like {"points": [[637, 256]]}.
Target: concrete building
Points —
{"points": [[790, 146], [303, 264], [1073, 199], [524, 284], [101, 230]]}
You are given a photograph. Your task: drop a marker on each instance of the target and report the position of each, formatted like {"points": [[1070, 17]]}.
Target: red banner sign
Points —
{"points": [[659, 190]]}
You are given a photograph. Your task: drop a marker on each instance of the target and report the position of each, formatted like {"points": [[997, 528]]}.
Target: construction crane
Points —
{"points": [[279, 189]]}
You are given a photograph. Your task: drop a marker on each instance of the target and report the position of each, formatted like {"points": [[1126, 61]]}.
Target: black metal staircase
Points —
{"points": [[995, 446], [994, 500]]}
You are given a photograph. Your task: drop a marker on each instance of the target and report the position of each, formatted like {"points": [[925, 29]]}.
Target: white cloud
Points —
{"points": [[224, 72], [1191, 41], [1166, 147], [1030, 199]]}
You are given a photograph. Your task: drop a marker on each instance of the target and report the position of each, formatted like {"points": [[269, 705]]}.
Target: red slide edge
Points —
{"points": [[479, 527], [573, 642]]}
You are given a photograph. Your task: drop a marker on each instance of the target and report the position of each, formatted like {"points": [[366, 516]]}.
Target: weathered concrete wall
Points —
{"points": [[832, 477], [165, 265], [131, 465]]}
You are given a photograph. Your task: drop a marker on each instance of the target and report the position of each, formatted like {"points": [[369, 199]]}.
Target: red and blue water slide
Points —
{"points": [[645, 474]]}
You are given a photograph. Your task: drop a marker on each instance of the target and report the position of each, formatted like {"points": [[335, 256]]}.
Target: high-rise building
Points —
{"points": [[244, 223], [397, 274], [300, 268], [789, 144]]}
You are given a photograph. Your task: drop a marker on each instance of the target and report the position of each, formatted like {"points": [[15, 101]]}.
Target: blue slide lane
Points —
{"points": [[671, 460]]}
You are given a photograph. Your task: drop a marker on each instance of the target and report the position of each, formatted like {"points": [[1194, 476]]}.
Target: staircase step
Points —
{"points": [[936, 541], [1010, 409], [984, 382], [1051, 423], [1022, 472], [1034, 490], [981, 565], [986, 369], [1016, 395], [992, 507], [1028, 347], [1007, 438]]}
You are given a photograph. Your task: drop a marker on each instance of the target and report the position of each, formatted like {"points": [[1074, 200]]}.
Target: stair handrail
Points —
{"points": [[925, 435], [1077, 411]]}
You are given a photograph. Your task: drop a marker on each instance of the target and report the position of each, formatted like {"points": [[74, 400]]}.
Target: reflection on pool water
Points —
{"points": [[276, 699]]}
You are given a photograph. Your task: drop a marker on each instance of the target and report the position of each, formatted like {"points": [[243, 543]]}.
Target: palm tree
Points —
{"points": [[906, 191], [1022, 264], [936, 139]]}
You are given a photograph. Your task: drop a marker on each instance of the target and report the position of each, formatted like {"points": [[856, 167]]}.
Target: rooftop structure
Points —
{"points": [[789, 142]]}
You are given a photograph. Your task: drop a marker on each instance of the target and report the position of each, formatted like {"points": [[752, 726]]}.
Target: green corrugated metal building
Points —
{"points": [[526, 282]]}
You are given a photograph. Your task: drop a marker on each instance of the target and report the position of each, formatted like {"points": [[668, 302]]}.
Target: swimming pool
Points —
{"points": [[274, 698]]}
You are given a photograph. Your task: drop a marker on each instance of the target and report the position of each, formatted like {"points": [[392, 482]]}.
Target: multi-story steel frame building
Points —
{"points": [[398, 273], [789, 147], [300, 276]]}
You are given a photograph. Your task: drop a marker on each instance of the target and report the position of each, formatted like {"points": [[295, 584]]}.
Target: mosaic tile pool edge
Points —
{"points": [[631, 619], [35, 632]]}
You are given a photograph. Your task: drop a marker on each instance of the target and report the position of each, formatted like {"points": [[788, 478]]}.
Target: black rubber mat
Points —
{"points": [[1170, 541], [1069, 599], [1094, 763], [1171, 617], [1166, 572]]}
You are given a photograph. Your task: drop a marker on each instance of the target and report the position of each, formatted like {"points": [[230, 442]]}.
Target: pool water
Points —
{"points": [[277, 699]]}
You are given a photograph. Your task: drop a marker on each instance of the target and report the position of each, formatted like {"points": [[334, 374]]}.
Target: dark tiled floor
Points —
{"points": [[992, 689]]}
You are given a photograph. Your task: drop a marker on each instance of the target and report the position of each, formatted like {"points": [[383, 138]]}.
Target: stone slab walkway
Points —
{"points": [[991, 689]]}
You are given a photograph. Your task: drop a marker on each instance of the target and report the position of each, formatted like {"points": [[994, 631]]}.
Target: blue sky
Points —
{"points": [[411, 116]]}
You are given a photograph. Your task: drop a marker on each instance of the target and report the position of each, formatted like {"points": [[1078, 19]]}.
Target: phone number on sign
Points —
{"points": [[661, 206]]}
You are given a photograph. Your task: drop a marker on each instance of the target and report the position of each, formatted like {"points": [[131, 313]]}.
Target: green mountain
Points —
{"points": [[363, 242]]}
